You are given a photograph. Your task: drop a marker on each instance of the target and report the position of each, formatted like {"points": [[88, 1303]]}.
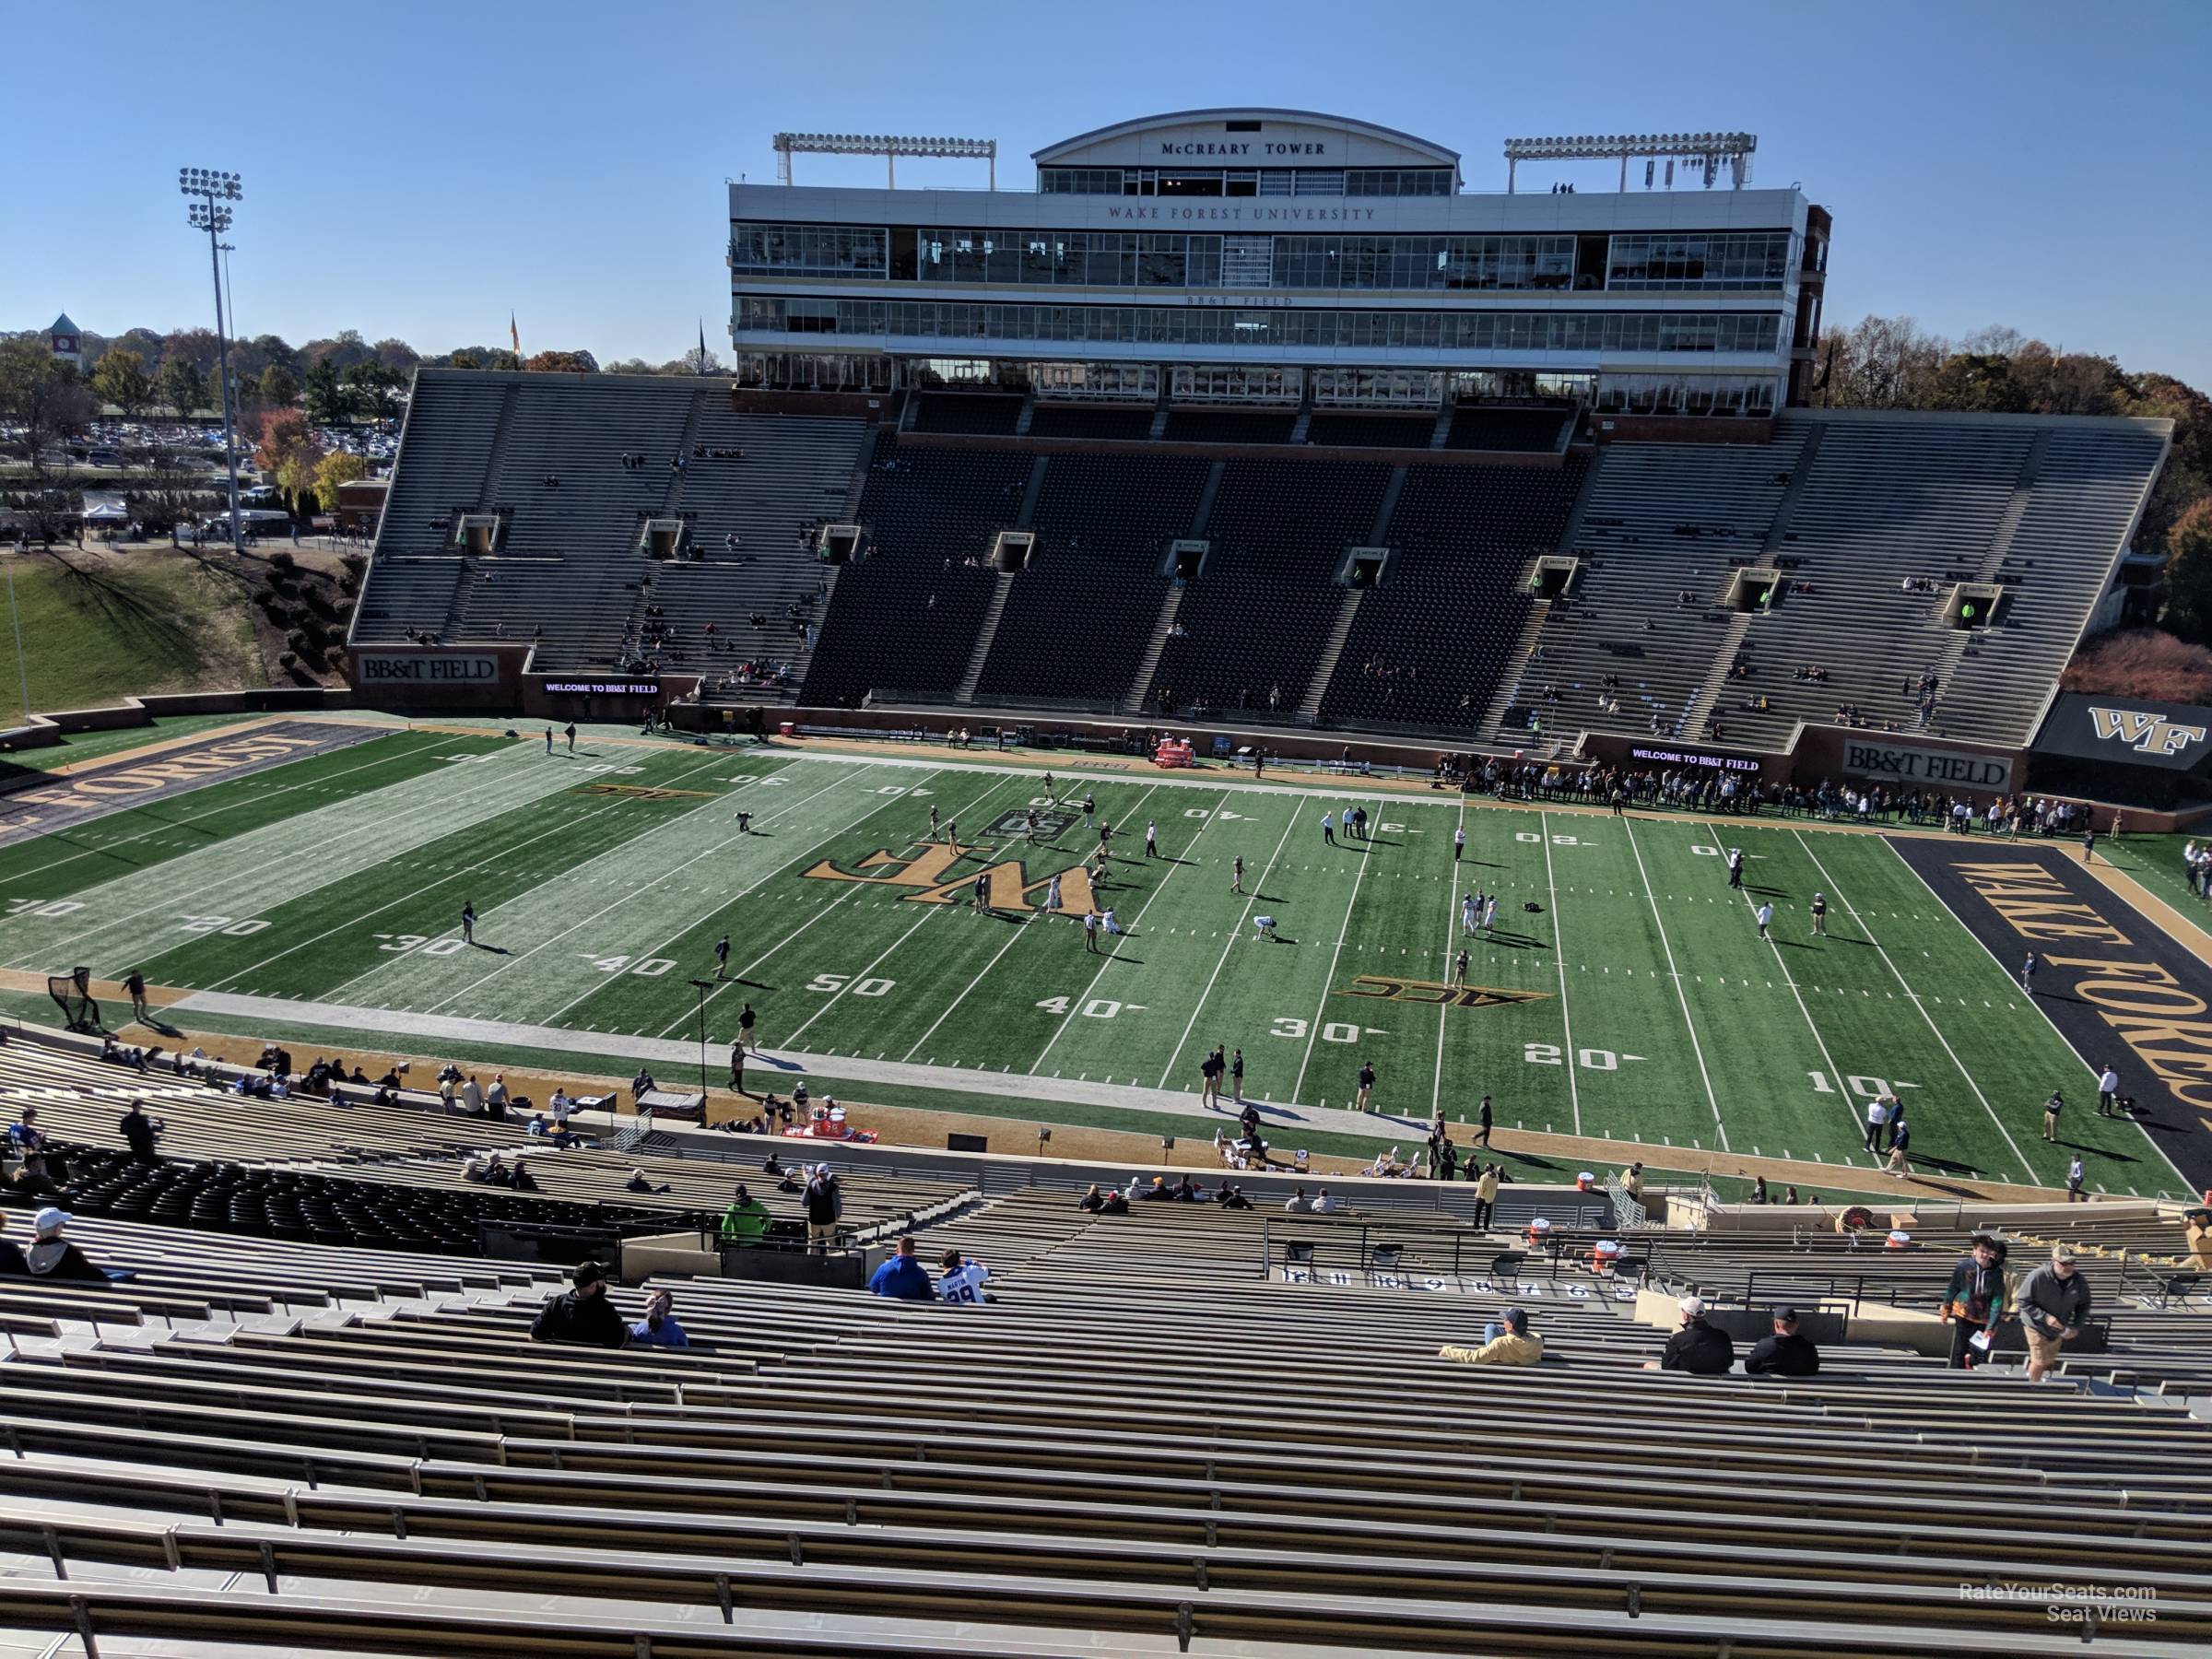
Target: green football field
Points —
{"points": [[1636, 1002]]}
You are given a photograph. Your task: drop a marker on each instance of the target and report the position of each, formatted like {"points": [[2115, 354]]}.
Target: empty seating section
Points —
{"points": [[1372, 432], [1080, 421], [1229, 426], [976, 412], [1251, 629], [1428, 645], [2086, 495], [1662, 521], [278, 1444], [573, 465], [905, 617], [1476, 427], [1904, 497], [1079, 617]]}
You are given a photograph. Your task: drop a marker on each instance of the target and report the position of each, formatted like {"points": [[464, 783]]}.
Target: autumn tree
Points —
{"points": [[328, 401], [561, 362], [286, 448], [279, 387], [2189, 572], [374, 389], [181, 386], [120, 378], [337, 468]]}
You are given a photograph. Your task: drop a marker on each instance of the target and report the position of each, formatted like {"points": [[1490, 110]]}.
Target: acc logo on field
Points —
{"points": [[2143, 731], [1436, 996]]}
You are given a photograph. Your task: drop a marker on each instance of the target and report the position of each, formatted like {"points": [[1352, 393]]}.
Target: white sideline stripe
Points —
{"points": [[1235, 933], [1673, 973], [2187, 1185], [1076, 1004], [1321, 1007], [1436, 1093], [504, 1034], [1854, 912], [1559, 956]]}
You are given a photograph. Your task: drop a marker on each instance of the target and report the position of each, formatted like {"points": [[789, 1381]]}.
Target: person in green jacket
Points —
{"points": [[744, 1221]]}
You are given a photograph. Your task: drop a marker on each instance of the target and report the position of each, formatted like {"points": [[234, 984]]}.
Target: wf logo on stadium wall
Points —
{"points": [[933, 871], [2143, 731]]}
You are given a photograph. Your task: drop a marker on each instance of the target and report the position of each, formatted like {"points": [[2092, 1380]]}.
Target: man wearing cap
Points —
{"points": [[2055, 1309], [902, 1277], [1974, 1302], [1786, 1353], [54, 1257], [744, 1222], [1505, 1341], [1697, 1347], [824, 1204], [581, 1314]]}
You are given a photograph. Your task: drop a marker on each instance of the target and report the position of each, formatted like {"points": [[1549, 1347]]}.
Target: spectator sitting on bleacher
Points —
{"points": [[902, 1277], [1298, 1204], [519, 1178], [637, 1183], [1117, 1203], [1231, 1197], [1505, 1341], [1784, 1353], [1093, 1200], [38, 1169], [2055, 1306], [52, 1256], [581, 1314], [961, 1281], [1697, 1347], [659, 1327], [744, 1222]]}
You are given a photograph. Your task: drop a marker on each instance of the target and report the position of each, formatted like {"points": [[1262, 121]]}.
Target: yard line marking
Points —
{"points": [[563, 828], [1559, 953], [851, 888], [1235, 933], [1857, 916], [628, 895], [1790, 979], [1076, 1003], [174, 823], [946, 1012], [1674, 974], [200, 895], [1436, 1093], [1321, 1007], [2187, 1185]]}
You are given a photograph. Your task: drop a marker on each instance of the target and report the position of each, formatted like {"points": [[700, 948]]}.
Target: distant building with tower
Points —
{"points": [[67, 341]]}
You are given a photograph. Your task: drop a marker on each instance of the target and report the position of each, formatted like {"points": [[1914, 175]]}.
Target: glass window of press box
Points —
{"points": [[1245, 181]]}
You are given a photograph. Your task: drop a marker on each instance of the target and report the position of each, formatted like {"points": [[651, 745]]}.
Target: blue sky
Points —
{"points": [[416, 170]]}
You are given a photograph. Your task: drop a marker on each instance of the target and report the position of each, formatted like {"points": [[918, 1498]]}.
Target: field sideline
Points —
{"points": [[1635, 1003]]}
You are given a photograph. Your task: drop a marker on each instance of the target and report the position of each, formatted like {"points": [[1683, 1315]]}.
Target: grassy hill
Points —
{"points": [[98, 624]]}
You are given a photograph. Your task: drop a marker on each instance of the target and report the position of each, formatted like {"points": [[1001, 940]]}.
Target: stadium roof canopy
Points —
{"points": [[1380, 137]]}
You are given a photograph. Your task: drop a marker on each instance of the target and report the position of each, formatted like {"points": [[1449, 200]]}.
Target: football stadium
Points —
{"points": [[1032, 976]]}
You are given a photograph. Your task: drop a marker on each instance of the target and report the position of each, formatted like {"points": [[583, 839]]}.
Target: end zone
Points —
{"points": [[2107, 972]]}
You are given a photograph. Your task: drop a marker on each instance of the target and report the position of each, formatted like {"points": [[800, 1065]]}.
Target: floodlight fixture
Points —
{"points": [[213, 187]]}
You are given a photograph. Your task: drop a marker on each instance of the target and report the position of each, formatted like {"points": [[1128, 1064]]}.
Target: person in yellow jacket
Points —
{"points": [[1486, 1196], [1506, 1343]]}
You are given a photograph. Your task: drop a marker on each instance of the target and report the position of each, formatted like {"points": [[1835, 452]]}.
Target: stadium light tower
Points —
{"points": [[210, 212]]}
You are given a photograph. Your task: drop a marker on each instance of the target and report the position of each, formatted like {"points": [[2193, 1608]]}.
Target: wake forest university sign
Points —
{"points": [[1239, 213]]}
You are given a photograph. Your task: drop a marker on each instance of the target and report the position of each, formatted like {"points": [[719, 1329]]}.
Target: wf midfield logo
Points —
{"points": [[2146, 733]]}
